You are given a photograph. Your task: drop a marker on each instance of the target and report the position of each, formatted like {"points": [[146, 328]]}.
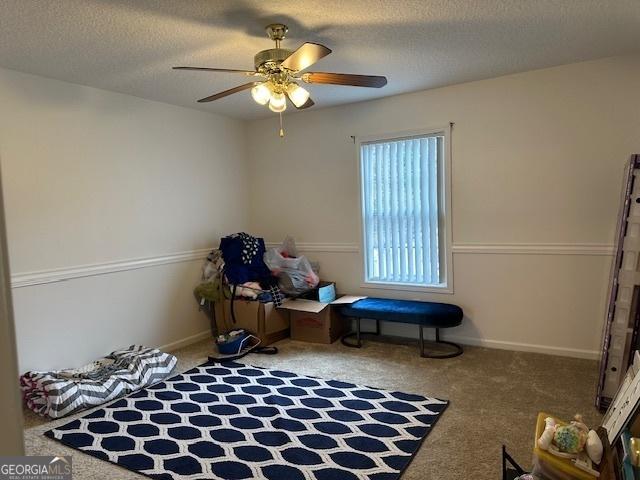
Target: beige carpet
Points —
{"points": [[494, 394]]}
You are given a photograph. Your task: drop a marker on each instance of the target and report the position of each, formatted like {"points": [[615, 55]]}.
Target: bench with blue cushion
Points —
{"points": [[424, 314]]}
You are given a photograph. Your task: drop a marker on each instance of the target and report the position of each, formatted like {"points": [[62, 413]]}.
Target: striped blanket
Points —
{"points": [[62, 392]]}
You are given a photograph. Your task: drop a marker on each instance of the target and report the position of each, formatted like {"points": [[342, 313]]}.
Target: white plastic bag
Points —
{"points": [[295, 274], [288, 247]]}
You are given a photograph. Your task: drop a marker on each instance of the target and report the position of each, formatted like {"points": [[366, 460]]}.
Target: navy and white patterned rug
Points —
{"points": [[231, 421]]}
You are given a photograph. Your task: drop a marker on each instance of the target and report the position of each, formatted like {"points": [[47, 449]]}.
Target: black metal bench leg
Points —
{"points": [[358, 334], [457, 349]]}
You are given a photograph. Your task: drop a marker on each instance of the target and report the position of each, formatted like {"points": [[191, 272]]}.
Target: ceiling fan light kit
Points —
{"points": [[297, 94], [261, 94], [278, 102], [279, 72]]}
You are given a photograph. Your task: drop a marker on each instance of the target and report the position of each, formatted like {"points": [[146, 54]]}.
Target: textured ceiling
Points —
{"points": [[129, 46]]}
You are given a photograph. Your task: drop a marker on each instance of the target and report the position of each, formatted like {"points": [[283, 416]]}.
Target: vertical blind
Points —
{"points": [[400, 210]]}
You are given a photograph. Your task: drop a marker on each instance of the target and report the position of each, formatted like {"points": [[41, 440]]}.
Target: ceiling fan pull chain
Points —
{"points": [[281, 129]]}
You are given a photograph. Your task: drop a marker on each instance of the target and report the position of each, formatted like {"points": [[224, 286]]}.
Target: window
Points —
{"points": [[404, 206]]}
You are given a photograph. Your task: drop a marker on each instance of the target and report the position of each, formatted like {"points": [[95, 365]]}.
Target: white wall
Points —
{"points": [[92, 178], [121, 196], [538, 159]]}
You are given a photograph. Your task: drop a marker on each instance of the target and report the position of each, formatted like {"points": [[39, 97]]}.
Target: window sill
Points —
{"points": [[409, 287]]}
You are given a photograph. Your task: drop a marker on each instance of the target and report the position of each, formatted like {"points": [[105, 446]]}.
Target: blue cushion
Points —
{"points": [[429, 314]]}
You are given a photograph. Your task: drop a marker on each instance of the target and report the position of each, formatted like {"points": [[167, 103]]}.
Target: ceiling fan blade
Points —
{"points": [[348, 79], [207, 69], [307, 104], [231, 91], [305, 56]]}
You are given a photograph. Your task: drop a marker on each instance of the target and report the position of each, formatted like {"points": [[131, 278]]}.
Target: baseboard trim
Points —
{"points": [[525, 347], [446, 334], [42, 277], [185, 342], [471, 341]]}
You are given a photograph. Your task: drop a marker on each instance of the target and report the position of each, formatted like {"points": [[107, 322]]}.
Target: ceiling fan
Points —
{"points": [[278, 73]]}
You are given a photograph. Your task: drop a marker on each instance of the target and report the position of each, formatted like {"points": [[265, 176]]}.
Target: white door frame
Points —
{"points": [[12, 439]]}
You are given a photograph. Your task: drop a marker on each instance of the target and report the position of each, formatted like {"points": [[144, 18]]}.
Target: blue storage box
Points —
{"points": [[325, 292]]}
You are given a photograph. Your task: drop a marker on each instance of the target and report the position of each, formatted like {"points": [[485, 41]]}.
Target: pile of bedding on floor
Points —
{"points": [[62, 392]]}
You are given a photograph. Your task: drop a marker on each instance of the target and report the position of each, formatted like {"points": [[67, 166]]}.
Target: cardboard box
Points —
{"points": [[326, 326], [317, 322], [262, 319]]}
